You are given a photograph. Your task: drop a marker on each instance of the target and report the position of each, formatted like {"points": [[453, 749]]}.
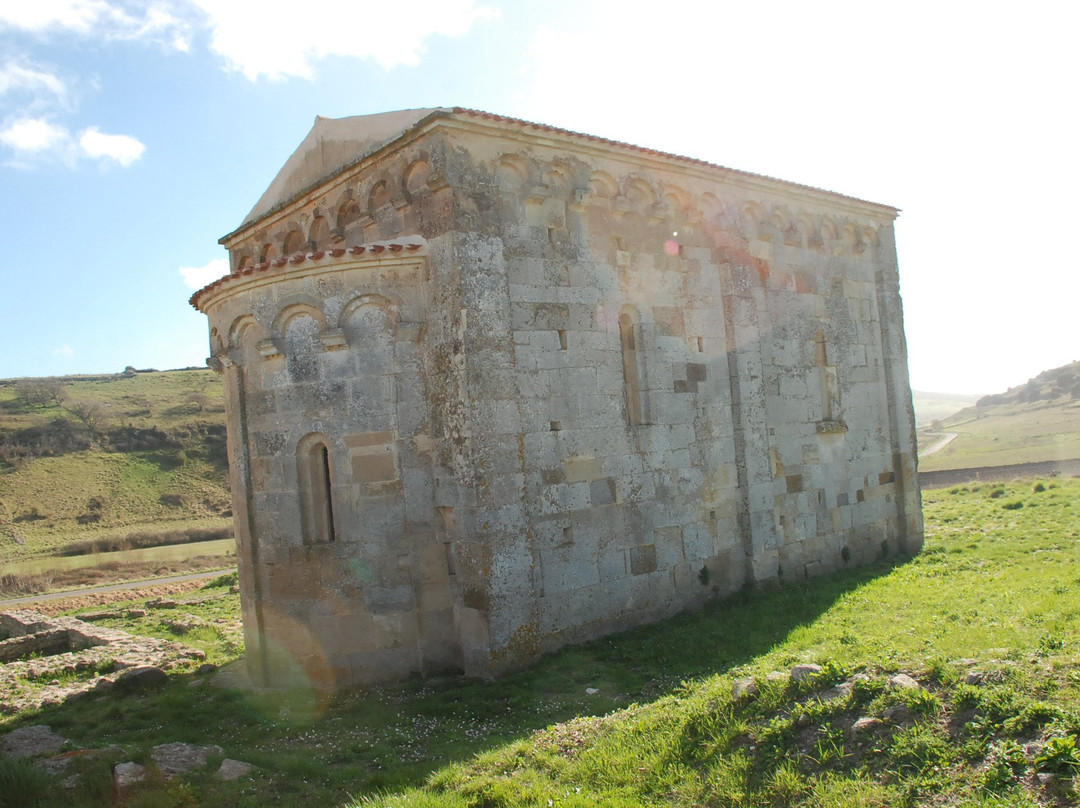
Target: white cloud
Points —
{"points": [[198, 277], [42, 15], [124, 149], [34, 135], [64, 350], [281, 40], [99, 19], [16, 77]]}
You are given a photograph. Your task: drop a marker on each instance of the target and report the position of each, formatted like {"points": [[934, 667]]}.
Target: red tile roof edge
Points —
{"points": [[373, 249]]}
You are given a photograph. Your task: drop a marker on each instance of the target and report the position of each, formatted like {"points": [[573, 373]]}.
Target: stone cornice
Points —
{"points": [[403, 251]]}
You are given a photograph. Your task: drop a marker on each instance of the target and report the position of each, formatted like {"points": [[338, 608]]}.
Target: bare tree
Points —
{"points": [[41, 392], [91, 414], [197, 400]]}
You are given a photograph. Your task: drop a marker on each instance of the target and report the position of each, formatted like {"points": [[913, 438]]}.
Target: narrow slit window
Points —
{"points": [[316, 492], [631, 376]]}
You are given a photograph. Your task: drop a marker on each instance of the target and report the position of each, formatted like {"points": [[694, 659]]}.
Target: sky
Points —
{"points": [[133, 135]]}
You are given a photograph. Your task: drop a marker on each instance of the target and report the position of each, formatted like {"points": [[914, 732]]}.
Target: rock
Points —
{"points": [[104, 614], [865, 723], [803, 720], [233, 769], [903, 681], [144, 677], [591, 691], [125, 775], [897, 713], [160, 603], [136, 613], [205, 668], [31, 741], [776, 676], [974, 678], [841, 691], [176, 758], [801, 673], [744, 689], [860, 677], [1046, 778]]}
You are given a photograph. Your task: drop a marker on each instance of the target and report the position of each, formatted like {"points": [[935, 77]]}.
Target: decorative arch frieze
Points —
{"points": [[512, 172]]}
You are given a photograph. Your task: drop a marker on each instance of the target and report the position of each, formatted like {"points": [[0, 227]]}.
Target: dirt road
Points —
{"points": [[121, 587]]}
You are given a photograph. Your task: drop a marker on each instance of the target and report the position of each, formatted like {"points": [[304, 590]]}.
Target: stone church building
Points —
{"points": [[494, 387]]}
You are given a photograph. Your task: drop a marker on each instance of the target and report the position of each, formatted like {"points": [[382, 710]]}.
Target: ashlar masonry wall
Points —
{"points": [[493, 389]]}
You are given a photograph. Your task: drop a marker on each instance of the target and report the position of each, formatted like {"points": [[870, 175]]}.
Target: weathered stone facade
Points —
{"points": [[494, 387]]}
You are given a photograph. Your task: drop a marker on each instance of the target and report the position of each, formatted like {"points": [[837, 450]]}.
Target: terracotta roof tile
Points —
{"points": [[309, 257]]}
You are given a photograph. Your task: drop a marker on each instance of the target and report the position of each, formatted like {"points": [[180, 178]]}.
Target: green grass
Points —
{"points": [[997, 591]]}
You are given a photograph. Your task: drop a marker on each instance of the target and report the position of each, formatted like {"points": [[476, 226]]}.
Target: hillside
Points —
{"points": [[95, 458], [1038, 420]]}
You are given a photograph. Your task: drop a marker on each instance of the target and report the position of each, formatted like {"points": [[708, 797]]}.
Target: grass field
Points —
{"points": [[1013, 433], [987, 619]]}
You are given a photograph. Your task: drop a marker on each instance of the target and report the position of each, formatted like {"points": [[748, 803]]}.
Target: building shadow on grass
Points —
{"points": [[394, 736]]}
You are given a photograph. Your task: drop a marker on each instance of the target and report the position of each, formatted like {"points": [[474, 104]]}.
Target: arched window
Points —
{"points": [[316, 490], [631, 370]]}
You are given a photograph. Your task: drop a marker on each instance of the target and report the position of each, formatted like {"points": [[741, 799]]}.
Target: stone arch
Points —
{"points": [[293, 242], [557, 178], [369, 323], [512, 172], [632, 356], [315, 479], [808, 232], [784, 223], [347, 213], [242, 340], [415, 177], [829, 231], [383, 303], [754, 216], [268, 253], [852, 238], [245, 262], [319, 233], [603, 185], [379, 195], [298, 327], [639, 194], [870, 235]]}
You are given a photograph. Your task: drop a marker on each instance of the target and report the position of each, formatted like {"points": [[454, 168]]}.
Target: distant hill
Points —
{"points": [[1035, 421], [931, 407], [86, 458]]}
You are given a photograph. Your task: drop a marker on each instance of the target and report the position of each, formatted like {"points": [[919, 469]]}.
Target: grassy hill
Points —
{"points": [[1035, 421], [101, 458], [986, 621]]}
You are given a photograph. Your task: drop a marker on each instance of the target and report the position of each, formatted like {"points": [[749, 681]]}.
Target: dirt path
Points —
{"points": [[946, 439], [174, 583]]}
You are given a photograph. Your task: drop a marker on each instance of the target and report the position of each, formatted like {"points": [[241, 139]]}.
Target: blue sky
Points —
{"points": [[134, 134]]}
